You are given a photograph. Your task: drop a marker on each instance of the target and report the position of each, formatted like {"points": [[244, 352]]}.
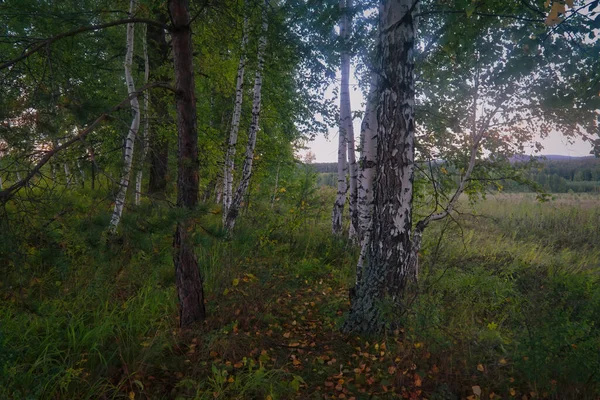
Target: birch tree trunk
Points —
{"points": [[139, 175], [235, 122], [368, 162], [342, 167], [389, 249], [187, 274], [346, 116], [81, 173], [133, 130], [67, 175], [242, 188]]}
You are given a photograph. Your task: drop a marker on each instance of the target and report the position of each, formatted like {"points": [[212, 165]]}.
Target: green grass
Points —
{"points": [[508, 301]]}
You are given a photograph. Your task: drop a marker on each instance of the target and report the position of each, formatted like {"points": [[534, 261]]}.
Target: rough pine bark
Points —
{"points": [[242, 188], [235, 122], [187, 274], [133, 130], [387, 263], [139, 175], [158, 144], [366, 177]]}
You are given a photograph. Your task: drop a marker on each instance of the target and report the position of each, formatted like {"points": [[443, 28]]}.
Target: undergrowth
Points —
{"points": [[507, 306]]}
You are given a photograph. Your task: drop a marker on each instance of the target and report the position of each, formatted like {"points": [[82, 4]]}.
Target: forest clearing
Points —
{"points": [[165, 232]]}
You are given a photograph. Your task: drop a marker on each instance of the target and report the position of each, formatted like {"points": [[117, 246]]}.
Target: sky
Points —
{"points": [[325, 149]]}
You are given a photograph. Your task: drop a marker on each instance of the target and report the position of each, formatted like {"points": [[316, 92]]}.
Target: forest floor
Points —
{"points": [[507, 306]]}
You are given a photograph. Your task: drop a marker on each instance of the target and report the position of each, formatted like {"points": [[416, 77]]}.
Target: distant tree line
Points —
{"points": [[579, 175], [555, 175]]}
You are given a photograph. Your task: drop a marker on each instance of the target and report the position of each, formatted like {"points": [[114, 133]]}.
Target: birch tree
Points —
{"points": [[236, 202], [347, 10], [345, 129], [235, 121], [366, 177], [133, 130], [139, 175], [386, 266], [502, 94]]}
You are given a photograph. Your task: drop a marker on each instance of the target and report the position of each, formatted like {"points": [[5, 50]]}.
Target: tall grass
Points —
{"points": [[515, 287]]}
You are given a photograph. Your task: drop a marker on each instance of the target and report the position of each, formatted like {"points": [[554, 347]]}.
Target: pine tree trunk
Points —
{"points": [[139, 175], [133, 130], [158, 143], [368, 162], [387, 263], [342, 167], [242, 188], [346, 117], [235, 122], [187, 274]]}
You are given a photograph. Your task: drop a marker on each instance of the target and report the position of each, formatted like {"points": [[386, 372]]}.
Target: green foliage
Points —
{"points": [[255, 381]]}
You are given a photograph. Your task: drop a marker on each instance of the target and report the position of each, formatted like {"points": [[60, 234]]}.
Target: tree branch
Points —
{"points": [[7, 193], [75, 32]]}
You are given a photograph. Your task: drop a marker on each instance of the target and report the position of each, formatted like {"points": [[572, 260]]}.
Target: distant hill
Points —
{"points": [[551, 157]]}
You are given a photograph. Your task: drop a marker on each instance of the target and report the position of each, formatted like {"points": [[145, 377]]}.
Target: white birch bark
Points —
{"points": [[368, 162], [347, 118], [389, 251], [1, 187], [81, 173], [139, 175], [342, 168], [236, 202], [67, 174], [235, 122], [18, 176], [133, 130], [219, 190]]}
